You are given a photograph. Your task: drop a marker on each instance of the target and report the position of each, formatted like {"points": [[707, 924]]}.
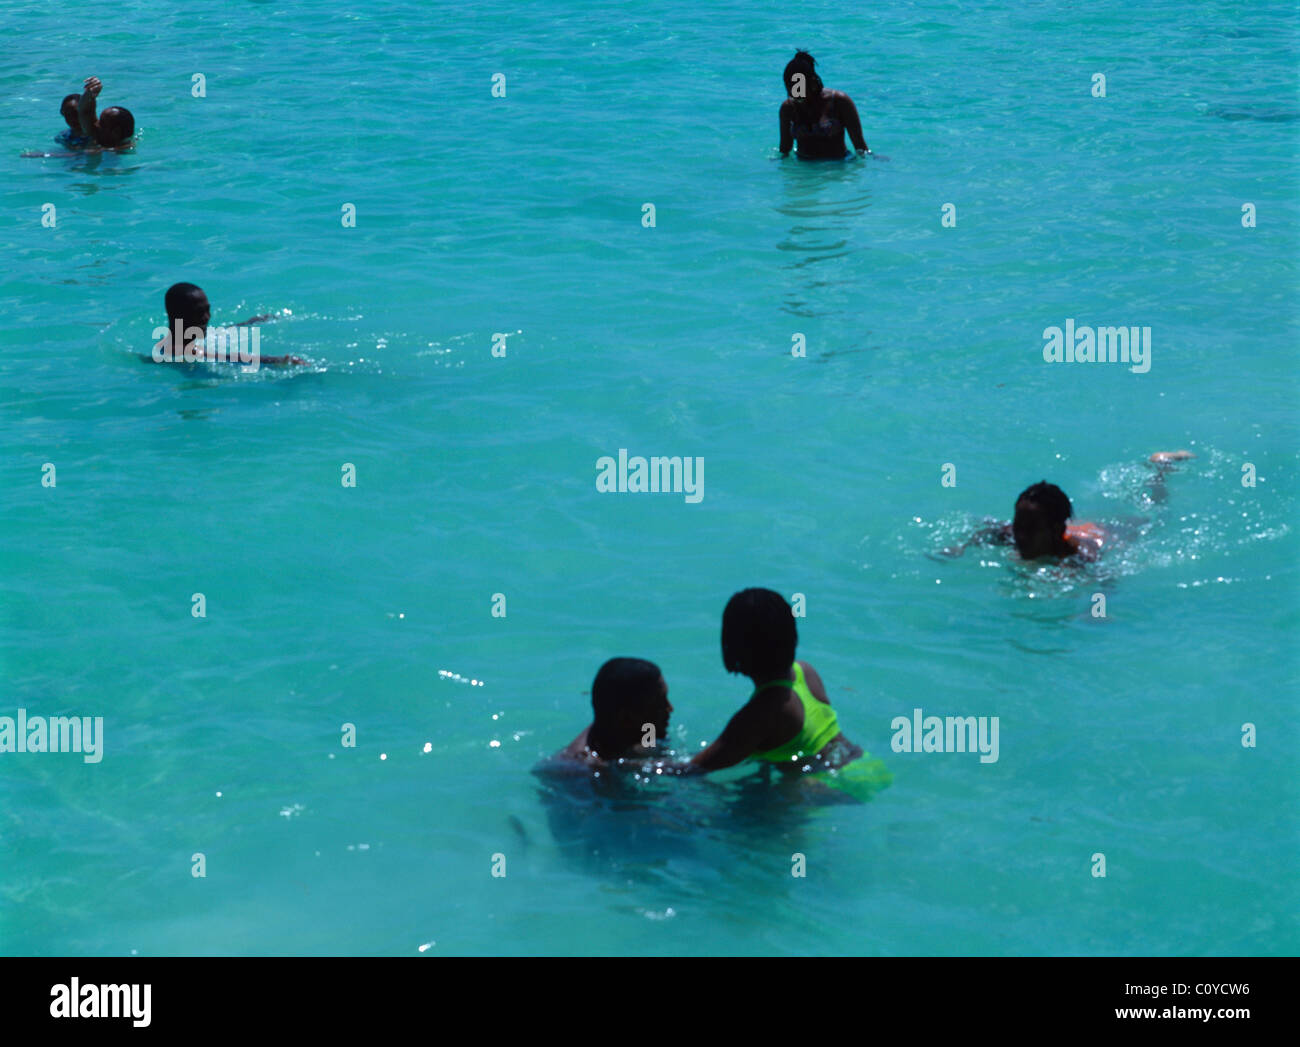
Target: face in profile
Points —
{"points": [[660, 709], [652, 709], [195, 314], [69, 113], [197, 311]]}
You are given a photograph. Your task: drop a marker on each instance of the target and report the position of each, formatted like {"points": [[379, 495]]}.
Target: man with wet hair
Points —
{"points": [[187, 305], [629, 704], [188, 314], [1041, 528], [1040, 525]]}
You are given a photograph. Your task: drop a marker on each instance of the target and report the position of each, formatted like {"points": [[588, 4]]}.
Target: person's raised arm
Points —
{"points": [[787, 118], [86, 106]]}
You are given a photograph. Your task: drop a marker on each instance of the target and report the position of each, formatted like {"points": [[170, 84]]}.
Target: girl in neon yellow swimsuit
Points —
{"points": [[788, 721]]}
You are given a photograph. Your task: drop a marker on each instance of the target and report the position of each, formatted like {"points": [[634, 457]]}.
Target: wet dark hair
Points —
{"points": [[1041, 512], [116, 125], [621, 683], [758, 634], [1049, 502], [802, 62], [68, 100], [181, 299]]}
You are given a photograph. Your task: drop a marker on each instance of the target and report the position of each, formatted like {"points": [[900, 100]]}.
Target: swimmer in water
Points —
{"points": [[88, 133], [1041, 527], [787, 722], [816, 117], [629, 703], [111, 129], [188, 313]]}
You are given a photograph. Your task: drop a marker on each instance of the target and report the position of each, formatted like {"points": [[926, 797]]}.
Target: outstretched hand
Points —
{"points": [[86, 106]]}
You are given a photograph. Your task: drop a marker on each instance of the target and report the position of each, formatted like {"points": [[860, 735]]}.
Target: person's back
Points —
{"points": [[802, 721], [787, 721]]}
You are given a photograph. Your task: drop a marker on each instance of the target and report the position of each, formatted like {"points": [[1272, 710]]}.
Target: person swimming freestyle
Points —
{"points": [[1041, 527]]}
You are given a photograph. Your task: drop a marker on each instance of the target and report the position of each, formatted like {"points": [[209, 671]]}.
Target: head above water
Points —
{"points": [[758, 635], [187, 303], [68, 110], [627, 694], [1038, 526], [802, 64], [116, 125]]}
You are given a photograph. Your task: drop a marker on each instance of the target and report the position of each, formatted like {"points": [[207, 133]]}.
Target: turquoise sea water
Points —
{"points": [[475, 474]]}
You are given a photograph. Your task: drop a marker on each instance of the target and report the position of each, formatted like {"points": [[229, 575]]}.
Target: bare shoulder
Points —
{"points": [[1088, 538], [748, 717], [748, 727], [815, 683], [576, 751]]}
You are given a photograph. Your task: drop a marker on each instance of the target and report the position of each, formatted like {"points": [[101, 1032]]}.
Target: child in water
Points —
{"points": [[787, 721], [629, 703]]}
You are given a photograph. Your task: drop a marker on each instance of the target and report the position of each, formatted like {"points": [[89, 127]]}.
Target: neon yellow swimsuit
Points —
{"points": [[819, 723]]}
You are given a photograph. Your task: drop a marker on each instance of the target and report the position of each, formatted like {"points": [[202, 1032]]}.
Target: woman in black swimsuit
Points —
{"points": [[815, 116]]}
